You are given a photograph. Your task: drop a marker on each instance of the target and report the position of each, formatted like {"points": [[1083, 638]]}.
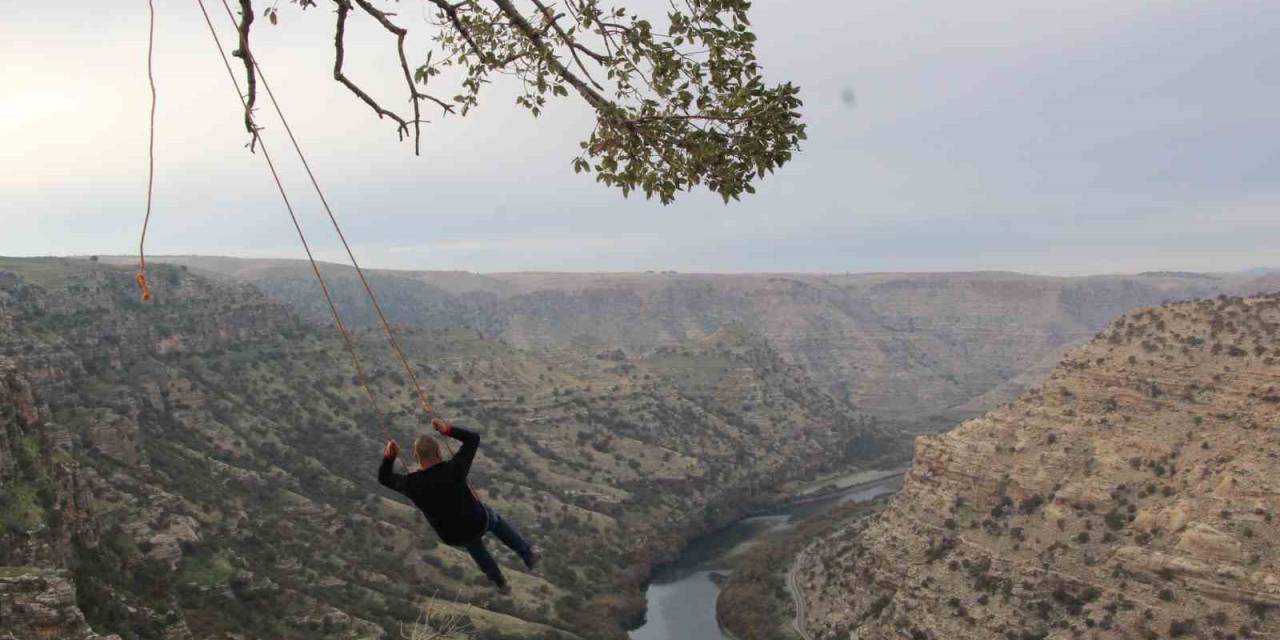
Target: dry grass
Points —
{"points": [[439, 622]]}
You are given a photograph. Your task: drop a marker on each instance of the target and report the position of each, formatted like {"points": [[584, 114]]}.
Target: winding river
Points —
{"points": [[682, 596]]}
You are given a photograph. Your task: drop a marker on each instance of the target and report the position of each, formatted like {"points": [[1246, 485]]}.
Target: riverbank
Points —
{"points": [[660, 550], [759, 600], [843, 482], [822, 491], [681, 598]]}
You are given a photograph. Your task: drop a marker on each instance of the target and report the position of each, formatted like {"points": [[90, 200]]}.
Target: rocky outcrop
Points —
{"points": [[1132, 495], [17, 409], [46, 511], [47, 502], [116, 436], [40, 604], [163, 536]]}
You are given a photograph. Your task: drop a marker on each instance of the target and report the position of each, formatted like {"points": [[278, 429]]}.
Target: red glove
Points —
{"points": [[392, 450]]}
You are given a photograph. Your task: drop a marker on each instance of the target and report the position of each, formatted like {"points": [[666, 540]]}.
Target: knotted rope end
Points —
{"points": [[142, 284]]}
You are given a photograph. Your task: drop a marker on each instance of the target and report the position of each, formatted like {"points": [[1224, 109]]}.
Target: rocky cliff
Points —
{"points": [[46, 511], [41, 605], [1132, 495]]}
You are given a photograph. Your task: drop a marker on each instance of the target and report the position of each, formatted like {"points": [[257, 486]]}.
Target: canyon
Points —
{"points": [[203, 465], [924, 350], [175, 465]]}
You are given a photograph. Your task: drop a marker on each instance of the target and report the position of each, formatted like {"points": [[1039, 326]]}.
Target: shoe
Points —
{"points": [[503, 588], [532, 559]]}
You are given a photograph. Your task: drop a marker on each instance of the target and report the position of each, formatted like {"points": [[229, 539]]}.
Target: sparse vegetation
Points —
{"points": [[218, 413], [1132, 483]]}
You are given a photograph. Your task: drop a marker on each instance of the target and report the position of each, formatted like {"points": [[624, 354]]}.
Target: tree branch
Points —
{"points": [[599, 102], [339, 33], [451, 12], [251, 77], [678, 109], [414, 94], [569, 41]]}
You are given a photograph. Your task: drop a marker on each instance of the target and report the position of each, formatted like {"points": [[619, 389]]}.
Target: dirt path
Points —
{"points": [[797, 623]]}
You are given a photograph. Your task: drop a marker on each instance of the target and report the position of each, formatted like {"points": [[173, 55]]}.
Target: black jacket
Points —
{"points": [[442, 494]]}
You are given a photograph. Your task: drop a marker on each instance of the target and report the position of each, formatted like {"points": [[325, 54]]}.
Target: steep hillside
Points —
{"points": [[905, 347], [227, 460], [1133, 495], [37, 480]]}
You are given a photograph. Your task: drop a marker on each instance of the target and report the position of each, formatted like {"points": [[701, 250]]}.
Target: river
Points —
{"points": [[682, 596]]}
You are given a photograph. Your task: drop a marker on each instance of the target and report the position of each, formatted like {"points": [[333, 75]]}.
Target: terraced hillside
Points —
{"points": [[924, 349], [203, 466], [1134, 494]]}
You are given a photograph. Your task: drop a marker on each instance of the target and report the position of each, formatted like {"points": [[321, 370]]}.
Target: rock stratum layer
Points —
{"points": [[1133, 495], [40, 604]]}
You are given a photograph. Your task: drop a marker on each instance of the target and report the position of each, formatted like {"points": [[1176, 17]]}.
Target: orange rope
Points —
{"points": [[141, 278], [386, 326], [373, 298], [337, 318]]}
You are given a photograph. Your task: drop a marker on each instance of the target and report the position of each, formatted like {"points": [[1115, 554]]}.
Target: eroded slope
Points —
{"points": [[1133, 495]]}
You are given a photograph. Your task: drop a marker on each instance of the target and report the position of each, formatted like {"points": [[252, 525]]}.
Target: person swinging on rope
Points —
{"points": [[439, 489]]}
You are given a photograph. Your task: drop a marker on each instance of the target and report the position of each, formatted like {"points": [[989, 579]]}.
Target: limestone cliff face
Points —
{"points": [[46, 508], [47, 503], [19, 408], [1133, 495], [41, 605]]}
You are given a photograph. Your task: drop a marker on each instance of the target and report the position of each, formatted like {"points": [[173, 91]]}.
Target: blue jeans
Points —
{"points": [[508, 535]]}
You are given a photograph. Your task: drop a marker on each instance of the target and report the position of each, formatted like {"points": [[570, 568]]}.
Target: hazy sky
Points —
{"points": [[1051, 137]]}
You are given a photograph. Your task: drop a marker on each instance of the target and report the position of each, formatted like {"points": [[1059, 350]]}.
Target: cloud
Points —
{"points": [[1020, 135]]}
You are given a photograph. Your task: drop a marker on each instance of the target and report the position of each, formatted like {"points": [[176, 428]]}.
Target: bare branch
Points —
{"points": [[414, 94], [251, 78], [344, 8], [339, 34]]}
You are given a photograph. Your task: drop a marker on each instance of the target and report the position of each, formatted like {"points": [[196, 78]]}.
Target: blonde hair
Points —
{"points": [[426, 449]]}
